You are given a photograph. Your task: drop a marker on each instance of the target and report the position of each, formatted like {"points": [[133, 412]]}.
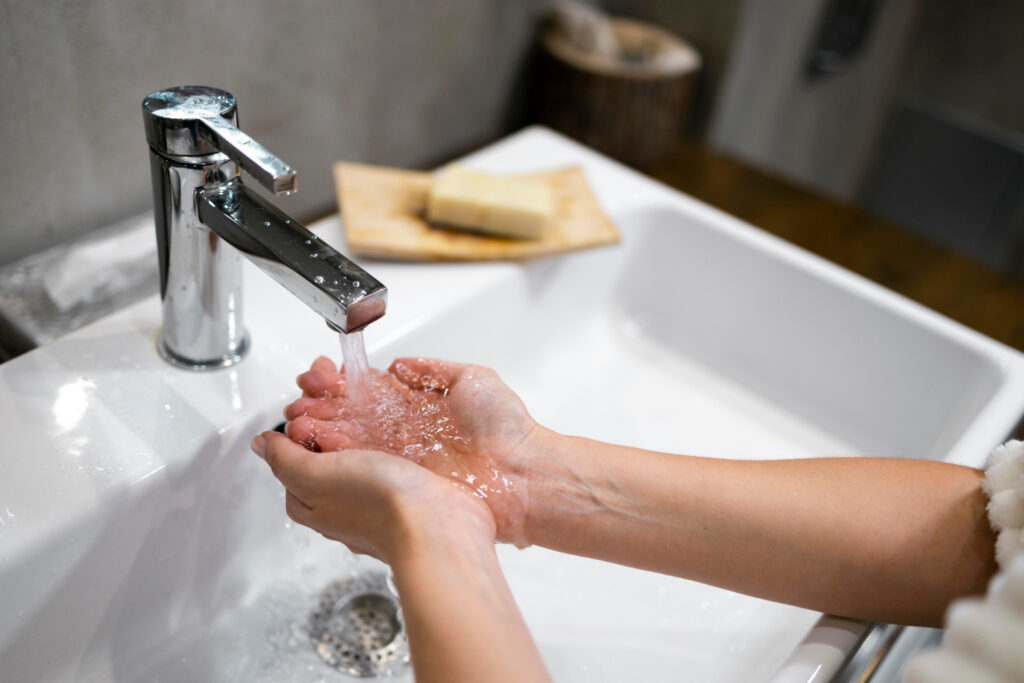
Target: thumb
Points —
{"points": [[291, 463]]}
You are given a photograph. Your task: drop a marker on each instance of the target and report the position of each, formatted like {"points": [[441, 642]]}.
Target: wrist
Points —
{"points": [[555, 485], [442, 560], [419, 536]]}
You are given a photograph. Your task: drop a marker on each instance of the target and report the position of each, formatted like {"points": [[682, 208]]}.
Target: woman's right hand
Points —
{"points": [[459, 421]]}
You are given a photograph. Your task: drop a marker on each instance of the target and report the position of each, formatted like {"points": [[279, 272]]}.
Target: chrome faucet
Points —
{"points": [[206, 217]]}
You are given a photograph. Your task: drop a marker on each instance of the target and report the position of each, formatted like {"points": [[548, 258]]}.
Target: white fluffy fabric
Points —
{"points": [[985, 637], [1004, 484], [946, 666]]}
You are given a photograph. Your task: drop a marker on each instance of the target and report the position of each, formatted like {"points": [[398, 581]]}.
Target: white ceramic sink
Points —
{"points": [[140, 540]]}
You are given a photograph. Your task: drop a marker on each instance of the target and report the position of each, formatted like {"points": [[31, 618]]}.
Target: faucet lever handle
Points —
{"points": [[254, 158]]}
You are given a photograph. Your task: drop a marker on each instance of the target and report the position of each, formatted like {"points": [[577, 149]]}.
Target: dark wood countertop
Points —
{"points": [[980, 298]]}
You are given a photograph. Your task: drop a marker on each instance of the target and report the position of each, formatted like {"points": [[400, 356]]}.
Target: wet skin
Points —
{"points": [[458, 421]]}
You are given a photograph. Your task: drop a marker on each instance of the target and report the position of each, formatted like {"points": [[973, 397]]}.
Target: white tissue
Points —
{"points": [[108, 265], [591, 32], [586, 28]]}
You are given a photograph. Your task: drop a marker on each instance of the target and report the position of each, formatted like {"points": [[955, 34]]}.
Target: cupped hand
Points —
{"points": [[372, 502], [458, 421]]}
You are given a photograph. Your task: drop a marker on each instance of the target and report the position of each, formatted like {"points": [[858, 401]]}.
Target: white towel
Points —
{"points": [[97, 268], [1004, 484]]}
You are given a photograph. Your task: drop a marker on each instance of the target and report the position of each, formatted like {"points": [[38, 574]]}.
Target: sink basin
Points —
{"points": [[140, 540]]}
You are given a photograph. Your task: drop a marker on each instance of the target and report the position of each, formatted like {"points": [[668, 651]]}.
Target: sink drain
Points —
{"points": [[357, 627]]}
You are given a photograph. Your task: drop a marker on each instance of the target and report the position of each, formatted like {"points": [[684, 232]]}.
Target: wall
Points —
{"points": [[819, 132], [383, 81], [968, 57], [950, 165]]}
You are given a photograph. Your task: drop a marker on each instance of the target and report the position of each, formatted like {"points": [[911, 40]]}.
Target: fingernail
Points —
{"points": [[258, 445]]}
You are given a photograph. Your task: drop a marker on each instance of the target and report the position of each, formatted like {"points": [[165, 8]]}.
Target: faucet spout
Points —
{"points": [[206, 219], [345, 295]]}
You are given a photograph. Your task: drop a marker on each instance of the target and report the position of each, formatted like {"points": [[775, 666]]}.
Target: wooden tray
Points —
{"points": [[384, 216]]}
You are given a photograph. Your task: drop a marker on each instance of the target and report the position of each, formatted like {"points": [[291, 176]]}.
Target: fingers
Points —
{"points": [[319, 408], [316, 383], [323, 378], [292, 464], [325, 365], [303, 431], [427, 373], [336, 441], [323, 435]]}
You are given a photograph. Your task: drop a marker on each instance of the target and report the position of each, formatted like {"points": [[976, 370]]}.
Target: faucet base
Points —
{"points": [[225, 361]]}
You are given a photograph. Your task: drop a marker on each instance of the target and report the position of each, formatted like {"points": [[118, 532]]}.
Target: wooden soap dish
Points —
{"points": [[384, 216]]}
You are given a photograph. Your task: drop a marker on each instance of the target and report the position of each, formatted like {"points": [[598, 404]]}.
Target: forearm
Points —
{"points": [[461, 619], [885, 539]]}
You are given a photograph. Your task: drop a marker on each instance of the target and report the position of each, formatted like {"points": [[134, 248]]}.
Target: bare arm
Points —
{"points": [[883, 539], [462, 622]]}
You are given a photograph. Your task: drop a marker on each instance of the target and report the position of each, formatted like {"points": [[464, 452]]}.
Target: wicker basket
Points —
{"points": [[632, 109]]}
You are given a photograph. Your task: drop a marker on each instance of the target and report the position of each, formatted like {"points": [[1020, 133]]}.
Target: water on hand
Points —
{"points": [[385, 417], [379, 411], [357, 368]]}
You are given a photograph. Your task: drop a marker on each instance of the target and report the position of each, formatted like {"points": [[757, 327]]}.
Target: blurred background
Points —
{"points": [[904, 110]]}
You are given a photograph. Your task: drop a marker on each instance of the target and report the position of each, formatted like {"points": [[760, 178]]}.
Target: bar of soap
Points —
{"points": [[498, 205]]}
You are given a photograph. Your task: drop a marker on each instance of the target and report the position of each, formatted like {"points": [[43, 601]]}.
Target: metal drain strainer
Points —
{"points": [[357, 627]]}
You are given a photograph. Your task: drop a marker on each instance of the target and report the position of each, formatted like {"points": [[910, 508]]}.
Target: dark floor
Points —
{"points": [[959, 288]]}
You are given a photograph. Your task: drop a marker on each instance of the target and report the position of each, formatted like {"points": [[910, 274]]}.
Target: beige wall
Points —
{"points": [[821, 132], [403, 82]]}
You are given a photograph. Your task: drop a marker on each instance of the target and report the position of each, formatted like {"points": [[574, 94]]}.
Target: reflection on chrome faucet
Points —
{"points": [[206, 217]]}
